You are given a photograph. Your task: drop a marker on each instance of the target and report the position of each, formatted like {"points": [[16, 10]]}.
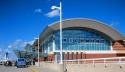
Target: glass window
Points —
{"points": [[81, 40], [63, 55], [67, 56], [81, 55], [72, 55], [76, 55]]}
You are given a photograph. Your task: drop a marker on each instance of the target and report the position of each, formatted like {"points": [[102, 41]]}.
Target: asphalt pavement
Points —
{"points": [[14, 69]]}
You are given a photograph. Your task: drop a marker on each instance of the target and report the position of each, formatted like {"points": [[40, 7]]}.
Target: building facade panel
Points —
{"points": [[81, 39]]}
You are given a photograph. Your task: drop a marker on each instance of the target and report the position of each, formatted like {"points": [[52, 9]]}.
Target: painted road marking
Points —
{"points": [[33, 69]]}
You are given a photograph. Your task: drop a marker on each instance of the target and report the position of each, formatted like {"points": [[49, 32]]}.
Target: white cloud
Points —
{"points": [[31, 42], [9, 46], [52, 13], [8, 50], [0, 49], [38, 10], [19, 44], [114, 23]]}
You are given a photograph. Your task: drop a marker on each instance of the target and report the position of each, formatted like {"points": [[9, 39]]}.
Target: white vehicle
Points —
{"points": [[1, 63]]}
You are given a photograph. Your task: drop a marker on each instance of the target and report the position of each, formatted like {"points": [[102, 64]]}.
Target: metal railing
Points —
{"points": [[113, 60], [116, 60]]}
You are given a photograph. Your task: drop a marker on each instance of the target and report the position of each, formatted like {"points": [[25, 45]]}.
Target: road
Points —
{"points": [[14, 69]]}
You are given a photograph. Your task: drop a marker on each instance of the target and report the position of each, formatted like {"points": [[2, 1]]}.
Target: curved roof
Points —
{"points": [[83, 23]]}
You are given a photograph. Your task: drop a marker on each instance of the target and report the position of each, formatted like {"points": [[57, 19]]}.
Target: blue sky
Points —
{"points": [[23, 20]]}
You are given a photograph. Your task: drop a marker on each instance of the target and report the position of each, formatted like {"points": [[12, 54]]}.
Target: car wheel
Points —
{"points": [[24, 66]]}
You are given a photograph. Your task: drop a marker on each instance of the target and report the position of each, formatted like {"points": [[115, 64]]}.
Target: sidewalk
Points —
{"points": [[33, 69], [40, 69]]}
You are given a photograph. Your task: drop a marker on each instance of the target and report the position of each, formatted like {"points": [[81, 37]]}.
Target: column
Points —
{"points": [[54, 42]]}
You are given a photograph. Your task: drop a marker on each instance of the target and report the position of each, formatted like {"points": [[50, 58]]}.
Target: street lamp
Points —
{"points": [[61, 62], [38, 50], [60, 8]]}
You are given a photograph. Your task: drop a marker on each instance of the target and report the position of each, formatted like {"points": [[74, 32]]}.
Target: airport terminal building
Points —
{"points": [[82, 39]]}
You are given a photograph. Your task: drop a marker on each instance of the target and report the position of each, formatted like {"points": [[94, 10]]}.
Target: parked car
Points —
{"points": [[1, 63], [7, 63], [21, 62], [13, 63]]}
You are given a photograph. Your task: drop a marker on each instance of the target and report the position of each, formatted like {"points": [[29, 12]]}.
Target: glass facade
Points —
{"points": [[81, 40], [47, 44], [76, 39]]}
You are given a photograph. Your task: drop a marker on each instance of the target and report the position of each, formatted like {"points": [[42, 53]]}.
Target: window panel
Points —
{"points": [[81, 40]]}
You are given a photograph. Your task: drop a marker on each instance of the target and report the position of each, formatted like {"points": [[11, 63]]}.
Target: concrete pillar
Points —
{"points": [[54, 45]]}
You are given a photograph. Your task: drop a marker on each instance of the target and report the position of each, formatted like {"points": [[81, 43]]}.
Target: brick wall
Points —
{"points": [[100, 55], [86, 56], [118, 45], [51, 57]]}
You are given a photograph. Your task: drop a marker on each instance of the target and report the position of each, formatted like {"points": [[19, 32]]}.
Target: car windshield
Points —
{"points": [[20, 59]]}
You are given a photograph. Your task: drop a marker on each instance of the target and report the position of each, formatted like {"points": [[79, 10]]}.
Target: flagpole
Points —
{"points": [[61, 62]]}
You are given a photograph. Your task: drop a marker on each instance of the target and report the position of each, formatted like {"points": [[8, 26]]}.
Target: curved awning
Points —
{"points": [[83, 23]]}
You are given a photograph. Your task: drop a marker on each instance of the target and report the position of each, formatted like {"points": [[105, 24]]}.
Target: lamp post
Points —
{"points": [[60, 8], [38, 50], [61, 62]]}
